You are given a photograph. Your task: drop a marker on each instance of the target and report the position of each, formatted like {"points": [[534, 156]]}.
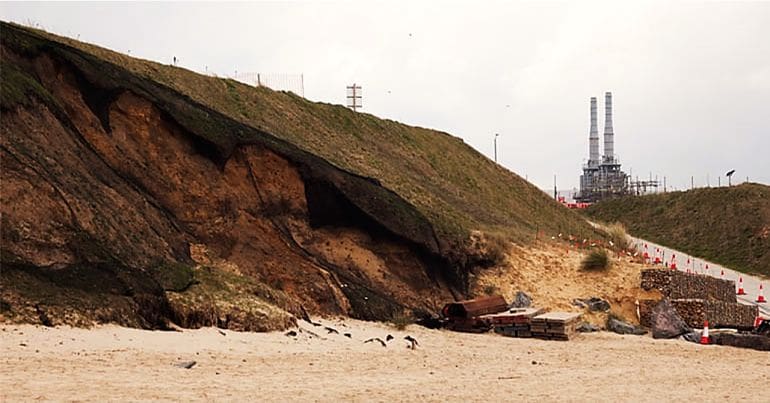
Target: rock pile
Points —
{"points": [[676, 284], [666, 322], [695, 311], [593, 304], [521, 300], [696, 298], [620, 327]]}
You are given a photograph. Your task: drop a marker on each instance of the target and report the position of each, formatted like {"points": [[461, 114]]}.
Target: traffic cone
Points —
{"points": [[704, 336], [740, 286], [761, 296]]}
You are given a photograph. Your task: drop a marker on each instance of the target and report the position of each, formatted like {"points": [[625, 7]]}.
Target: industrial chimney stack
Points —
{"points": [[593, 138], [609, 135], [602, 177]]}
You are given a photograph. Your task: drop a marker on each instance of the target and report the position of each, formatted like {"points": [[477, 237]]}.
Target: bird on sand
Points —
{"points": [[413, 342], [376, 339], [331, 330], [389, 337]]}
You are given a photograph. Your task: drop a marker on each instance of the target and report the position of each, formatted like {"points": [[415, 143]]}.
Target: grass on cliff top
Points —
{"points": [[17, 87], [457, 188], [727, 225]]}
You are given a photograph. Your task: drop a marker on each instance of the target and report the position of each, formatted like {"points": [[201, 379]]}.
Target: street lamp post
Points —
{"points": [[496, 134]]}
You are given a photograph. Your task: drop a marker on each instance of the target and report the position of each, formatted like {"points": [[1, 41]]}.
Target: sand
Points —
{"points": [[550, 273], [114, 363]]}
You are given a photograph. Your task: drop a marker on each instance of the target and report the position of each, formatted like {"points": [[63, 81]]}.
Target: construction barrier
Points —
{"points": [[741, 291]]}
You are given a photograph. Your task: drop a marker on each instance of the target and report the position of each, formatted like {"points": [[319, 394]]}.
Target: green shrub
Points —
{"points": [[619, 236], [596, 260], [488, 249]]}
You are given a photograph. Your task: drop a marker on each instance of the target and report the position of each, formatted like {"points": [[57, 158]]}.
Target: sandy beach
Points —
{"points": [[115, 363]]}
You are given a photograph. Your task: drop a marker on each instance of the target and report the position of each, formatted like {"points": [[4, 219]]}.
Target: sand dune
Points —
{"points": [[114, 363]]}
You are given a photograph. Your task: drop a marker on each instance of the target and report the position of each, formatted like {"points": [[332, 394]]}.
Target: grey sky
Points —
{"points": [[690, 80]]}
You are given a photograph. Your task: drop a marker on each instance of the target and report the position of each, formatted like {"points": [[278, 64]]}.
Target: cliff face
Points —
{"points": [[127, 199], [104, 182]]}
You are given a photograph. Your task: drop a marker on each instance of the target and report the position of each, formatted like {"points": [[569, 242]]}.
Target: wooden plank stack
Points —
{"points": [[514, 322], [555, 325]]}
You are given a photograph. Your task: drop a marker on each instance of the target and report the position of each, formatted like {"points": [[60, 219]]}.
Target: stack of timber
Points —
{"points": [[514, 322], [555, 325]]}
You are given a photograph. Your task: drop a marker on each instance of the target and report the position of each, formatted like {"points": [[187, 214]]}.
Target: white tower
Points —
{"points": [[609, 134], [593, 138]]}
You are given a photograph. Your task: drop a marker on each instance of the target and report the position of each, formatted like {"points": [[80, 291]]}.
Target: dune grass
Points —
{"points": [[596, 260]]}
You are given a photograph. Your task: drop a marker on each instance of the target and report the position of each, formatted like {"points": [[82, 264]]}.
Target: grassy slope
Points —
{"points": [[456, 187], [730, 226]]}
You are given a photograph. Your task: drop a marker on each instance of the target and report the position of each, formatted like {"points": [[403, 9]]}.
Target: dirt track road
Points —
{"points": [[697, 265]]}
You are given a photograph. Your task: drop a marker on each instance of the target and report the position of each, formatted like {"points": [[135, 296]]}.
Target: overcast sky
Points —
{"points": [[690, 80]]}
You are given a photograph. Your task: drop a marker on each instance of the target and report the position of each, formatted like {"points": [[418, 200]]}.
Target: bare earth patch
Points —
{"points": [[110, 362], [550, 273]]}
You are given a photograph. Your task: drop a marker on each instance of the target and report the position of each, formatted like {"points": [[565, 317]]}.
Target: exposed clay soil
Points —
{"points": [[139, 191], [112, 200], [550, 273]]}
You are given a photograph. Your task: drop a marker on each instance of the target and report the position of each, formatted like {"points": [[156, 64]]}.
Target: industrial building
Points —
{"points": [[602, 177]]}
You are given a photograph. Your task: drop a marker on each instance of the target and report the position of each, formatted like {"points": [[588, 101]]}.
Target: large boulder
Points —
{"points": [[692, 337], [593, 304], [586, 327], [598, 305], [666, 322], [620, 327], [521, 300]]}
